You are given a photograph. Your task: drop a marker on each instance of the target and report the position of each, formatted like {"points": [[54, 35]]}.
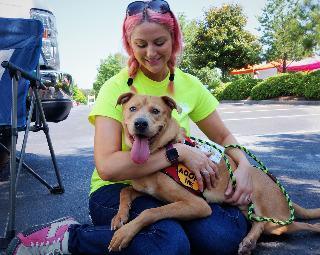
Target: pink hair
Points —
{"points": [[169, 21]]}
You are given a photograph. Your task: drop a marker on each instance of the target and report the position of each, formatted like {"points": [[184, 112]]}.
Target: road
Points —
{"points": [[285, 137]]}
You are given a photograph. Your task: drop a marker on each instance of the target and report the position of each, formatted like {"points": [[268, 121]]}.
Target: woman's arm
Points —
{"points": [[216, 131], [115, 165], [214, 128]]}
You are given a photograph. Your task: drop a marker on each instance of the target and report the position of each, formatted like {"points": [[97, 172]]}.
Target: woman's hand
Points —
{"points": [[243, 192], [199, 163]]}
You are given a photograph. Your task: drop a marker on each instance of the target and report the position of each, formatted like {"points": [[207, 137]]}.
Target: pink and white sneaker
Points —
{"points": [[47, 239]]}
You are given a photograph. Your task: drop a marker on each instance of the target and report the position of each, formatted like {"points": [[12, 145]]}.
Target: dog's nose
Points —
{"points": [[141, 124]]}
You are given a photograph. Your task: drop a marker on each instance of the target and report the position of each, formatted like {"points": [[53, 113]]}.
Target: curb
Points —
{"points": [[289, 102]]}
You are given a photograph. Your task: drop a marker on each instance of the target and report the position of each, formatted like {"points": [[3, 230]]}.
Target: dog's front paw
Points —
{"points": [[246, 246], [121, 238], [119, 220]]}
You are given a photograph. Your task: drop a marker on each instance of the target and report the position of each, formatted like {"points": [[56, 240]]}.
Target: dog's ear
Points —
{"points": [[124, 98], [171, 103]]}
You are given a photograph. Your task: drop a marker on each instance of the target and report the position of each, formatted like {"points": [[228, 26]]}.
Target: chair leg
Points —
{"points": [[14, 172], [57, 189], [24, 144], [20, 160], [5, 140], [10, 229], [29, 169]]}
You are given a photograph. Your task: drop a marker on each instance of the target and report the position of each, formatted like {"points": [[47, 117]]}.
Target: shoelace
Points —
{"points": [[47, 248], [56, 252]]}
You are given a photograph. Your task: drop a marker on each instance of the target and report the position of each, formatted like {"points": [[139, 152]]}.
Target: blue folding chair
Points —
{"points": [[20, 48]]}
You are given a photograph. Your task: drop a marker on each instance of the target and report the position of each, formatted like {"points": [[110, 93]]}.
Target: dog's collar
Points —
{"points": [[186, 140]]}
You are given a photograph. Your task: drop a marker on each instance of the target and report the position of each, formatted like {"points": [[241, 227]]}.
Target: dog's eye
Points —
{"points": [[155, 111], [132, 109]]}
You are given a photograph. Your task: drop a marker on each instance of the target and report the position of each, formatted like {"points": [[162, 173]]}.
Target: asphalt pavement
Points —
{"points": [[286, 137]]}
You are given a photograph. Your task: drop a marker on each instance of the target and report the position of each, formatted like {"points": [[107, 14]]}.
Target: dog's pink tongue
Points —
{"points": [[140, 150]]}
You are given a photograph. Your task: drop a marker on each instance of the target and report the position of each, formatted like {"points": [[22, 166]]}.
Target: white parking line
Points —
{"points": [[292, 132], [275, 117], [227, 107], [270, 110], [230, 105], [317, 131]]}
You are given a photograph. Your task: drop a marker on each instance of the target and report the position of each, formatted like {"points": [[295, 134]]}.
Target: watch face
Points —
{"points": [[172, 155]]}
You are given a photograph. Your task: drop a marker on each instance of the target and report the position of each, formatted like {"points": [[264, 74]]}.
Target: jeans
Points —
{"points": [[218, 234]]}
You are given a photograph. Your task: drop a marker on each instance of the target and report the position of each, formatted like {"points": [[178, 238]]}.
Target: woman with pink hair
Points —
{"points": [[152, 39]]}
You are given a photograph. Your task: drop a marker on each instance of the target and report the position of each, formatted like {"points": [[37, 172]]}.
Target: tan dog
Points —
{"points": [[148, 126]]}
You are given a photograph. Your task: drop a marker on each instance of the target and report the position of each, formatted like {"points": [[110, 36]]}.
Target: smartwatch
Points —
{"points": [[172, 154]]}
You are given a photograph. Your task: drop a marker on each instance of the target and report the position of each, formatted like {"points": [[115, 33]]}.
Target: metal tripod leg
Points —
{"points": [[29, 169], [57, 189]]}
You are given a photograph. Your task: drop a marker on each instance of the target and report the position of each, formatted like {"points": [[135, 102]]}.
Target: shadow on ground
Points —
{"points": [[34, 202], [294, 159]]}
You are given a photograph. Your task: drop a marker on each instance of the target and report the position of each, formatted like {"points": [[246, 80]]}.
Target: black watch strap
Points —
{"points": [[172, 154]]}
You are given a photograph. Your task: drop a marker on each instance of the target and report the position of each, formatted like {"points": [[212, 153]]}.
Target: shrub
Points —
{"points": [[312, 85], [315, 73], [213, 85], [239, 89], [218, 90], [289, 84]]}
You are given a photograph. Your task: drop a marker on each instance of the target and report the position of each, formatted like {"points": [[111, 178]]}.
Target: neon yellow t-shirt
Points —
{"points": [[194, 99]]}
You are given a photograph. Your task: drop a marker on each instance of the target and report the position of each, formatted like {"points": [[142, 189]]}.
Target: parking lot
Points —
{"points": [[285, 137]]}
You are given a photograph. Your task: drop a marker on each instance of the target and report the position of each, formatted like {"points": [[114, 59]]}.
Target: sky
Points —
{"points": [[89, 31]]}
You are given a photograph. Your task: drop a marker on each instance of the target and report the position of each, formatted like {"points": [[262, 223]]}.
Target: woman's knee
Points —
{"points": [[175, 239], [104, 204], [214, 245], [220, 233], [165, 237]]}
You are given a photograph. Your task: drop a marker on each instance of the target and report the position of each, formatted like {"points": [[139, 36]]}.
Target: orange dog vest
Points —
{"points": [[183, 175]]}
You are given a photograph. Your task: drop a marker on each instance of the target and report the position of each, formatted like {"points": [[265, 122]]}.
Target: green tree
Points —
{"points": [[310, 20], [208, 76], [289, 29], [78, 96], [189, 29], [87, 92], [221, 40], [108, 68]]}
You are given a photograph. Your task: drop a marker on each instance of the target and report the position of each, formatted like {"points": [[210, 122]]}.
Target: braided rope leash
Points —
{"points": [[251, 212]]}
